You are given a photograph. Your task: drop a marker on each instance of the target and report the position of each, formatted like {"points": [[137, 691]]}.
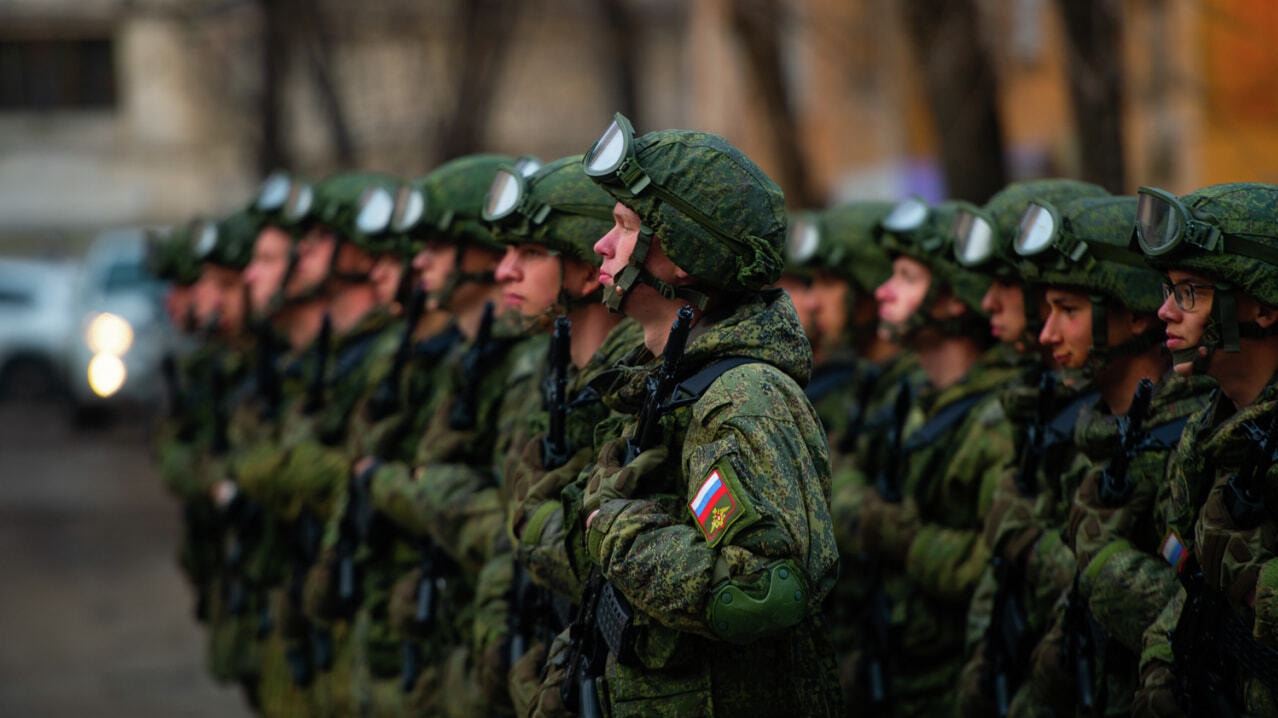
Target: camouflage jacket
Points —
{"points": [[1241, 564], [755, 433]]}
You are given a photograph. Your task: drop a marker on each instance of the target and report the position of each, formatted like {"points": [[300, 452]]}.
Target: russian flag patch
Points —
{"points": [[713, 507], [1174, 551]]}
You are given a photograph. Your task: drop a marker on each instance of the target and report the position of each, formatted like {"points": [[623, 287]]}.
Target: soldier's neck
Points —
{"points": [[301, 323], [431, 323], [590, 325], [945, 360], [1243, 375], [1117, 381], [350, 304]]}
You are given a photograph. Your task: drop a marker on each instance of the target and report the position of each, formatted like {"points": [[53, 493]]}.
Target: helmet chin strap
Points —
{"points": [[456, 278], [1100, 353], [634, 272]]}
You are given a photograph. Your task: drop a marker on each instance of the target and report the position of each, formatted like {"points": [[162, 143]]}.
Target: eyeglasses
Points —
{"points": [[1184, 293], [975, 233]]}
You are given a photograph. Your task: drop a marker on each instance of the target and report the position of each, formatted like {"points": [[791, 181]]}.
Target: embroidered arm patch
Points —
{"points": [[719, 503]]}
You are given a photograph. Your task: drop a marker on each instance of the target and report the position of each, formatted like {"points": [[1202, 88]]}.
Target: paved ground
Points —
{"points": [[95, 618]]}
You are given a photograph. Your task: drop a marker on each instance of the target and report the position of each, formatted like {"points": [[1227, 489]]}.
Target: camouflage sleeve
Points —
{"points": [[655, 551], [1126, 590], [255, 469], [946, 560], [1156, 643], [314, 474], [490, 626], [1266, 629]]}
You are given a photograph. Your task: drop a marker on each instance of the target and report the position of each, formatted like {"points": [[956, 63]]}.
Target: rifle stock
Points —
{"points": [[554, 447], [660, 386]]}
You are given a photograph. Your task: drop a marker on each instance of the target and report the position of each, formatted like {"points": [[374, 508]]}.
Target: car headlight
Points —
{"points": [[109, 334], [106, 374]]}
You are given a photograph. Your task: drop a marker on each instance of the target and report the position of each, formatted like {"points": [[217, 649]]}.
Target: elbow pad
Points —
{"points": [[742, 613]]}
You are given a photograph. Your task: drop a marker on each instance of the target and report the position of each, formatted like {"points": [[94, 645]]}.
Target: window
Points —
{"points": [[57, 74]]}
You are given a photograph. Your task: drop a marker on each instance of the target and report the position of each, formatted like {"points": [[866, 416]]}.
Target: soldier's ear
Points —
{"points": [[1265, 316]]}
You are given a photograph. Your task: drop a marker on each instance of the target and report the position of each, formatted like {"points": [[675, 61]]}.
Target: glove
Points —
{"points": [[532, 485], [1231, 556], [610, 480], [887, 529], [1156, 697]]}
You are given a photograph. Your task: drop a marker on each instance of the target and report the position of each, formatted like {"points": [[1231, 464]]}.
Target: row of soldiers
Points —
{"points": [[533, 439]]}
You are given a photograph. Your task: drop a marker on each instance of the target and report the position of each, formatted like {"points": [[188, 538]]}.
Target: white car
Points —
{"points": [[36, 319], [122, 334]]}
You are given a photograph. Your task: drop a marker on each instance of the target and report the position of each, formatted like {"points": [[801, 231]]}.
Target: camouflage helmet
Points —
{"points": [[557, 207], [840, 240], [921, 231], [983, 236], [1085, 245], [719, 216], [227, 242], [338, 202], [1228, 232], [448, 203], [170, 257]]}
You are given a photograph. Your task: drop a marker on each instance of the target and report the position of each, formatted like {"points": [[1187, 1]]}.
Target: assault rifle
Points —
{"points": [[1007, 648], [268, 377], [660, 387], [1114, 489], [1037, 436], [473, 363], [554, 445], [602, 621], [1244, 496], [386, 398], [879, 633], [323, 347]]}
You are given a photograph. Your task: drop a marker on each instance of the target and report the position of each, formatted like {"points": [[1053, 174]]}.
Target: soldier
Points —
{"points": [[709, 525], [1212, 650], [920, 520], [550, 223], [856, 372], [1029, 501], [192, 440], [449, 495], [1101, 299]]}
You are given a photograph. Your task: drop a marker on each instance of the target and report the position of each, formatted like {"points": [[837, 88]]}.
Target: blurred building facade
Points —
{"points": [[117, 112]]}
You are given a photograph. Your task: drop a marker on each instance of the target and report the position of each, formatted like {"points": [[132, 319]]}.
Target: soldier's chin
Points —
{"points": [[1185, 368]]}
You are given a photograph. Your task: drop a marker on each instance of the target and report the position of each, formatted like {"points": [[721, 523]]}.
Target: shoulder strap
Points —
{"points": [[690, 390], [1063, 425], [937, 425], [1168, 435], [828, 378]]}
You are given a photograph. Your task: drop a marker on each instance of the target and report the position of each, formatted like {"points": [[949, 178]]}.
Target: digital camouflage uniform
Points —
{"points": [[729, 509], [558, 208], [852, 395], [926, 547], [1226, 561], [450, 500], [756, 430]]}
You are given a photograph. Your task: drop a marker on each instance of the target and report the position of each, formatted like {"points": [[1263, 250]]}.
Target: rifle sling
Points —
{"points": [[937, 425], [1062, 426], [1167, 435], [829, 377]]}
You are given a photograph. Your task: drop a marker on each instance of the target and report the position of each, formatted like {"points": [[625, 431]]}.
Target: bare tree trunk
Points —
{"points": [[484, 28], [1093, 30], [622, 42], [271, 153], [758, 23], [962, 88], [319, 51]]}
